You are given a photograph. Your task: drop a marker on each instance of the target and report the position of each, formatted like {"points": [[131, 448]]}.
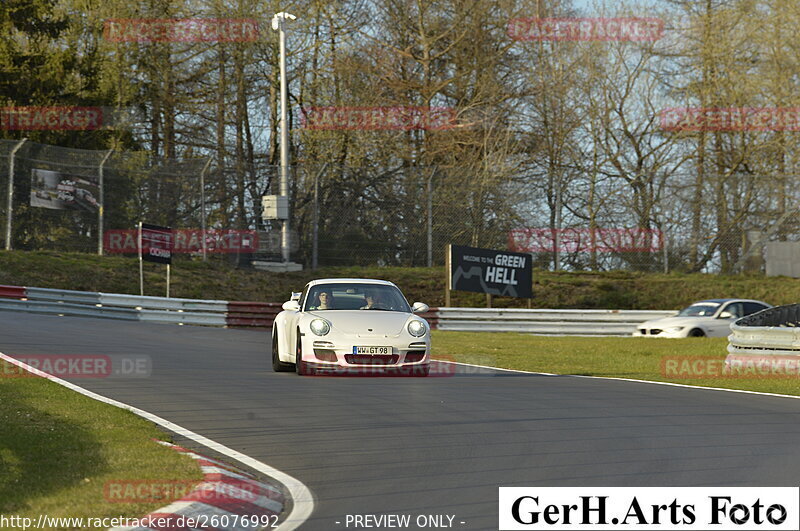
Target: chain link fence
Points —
{"points": [[72, 200]]}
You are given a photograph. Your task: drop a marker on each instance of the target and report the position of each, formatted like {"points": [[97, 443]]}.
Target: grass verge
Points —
{"points": [[217, 279], [61, 451], [618, 357]]}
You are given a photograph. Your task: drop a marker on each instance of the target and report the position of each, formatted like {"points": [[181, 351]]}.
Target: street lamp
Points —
{"points": [[277, 25]]}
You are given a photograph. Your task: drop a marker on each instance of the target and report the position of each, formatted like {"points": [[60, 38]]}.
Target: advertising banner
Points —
{"points": [[489, 271], [157, 243], [61, 191]]}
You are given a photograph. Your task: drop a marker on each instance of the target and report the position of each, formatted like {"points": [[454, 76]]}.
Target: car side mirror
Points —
{"points": [[420, 307], [291, 306], [725, 315]]}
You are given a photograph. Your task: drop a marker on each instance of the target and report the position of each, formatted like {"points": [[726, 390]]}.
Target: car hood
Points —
{"points": [[365, 323], [669, 322]]}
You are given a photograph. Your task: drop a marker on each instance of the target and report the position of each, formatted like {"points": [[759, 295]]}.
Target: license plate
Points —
{"points": [[372, 350]]}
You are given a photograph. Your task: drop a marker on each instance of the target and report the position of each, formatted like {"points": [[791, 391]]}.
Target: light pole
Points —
{"points": [[101, 208], [10, 199], [277, 24]]}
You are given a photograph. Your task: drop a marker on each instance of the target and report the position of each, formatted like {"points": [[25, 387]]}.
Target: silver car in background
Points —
{"points": [[708, 318]]}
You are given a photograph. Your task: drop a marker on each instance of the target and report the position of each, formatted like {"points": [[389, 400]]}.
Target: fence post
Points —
{"points": [[203, 206], [557, 238], [430, 219], [315, 222], [101, 209], [315, 227], [10, 202]]}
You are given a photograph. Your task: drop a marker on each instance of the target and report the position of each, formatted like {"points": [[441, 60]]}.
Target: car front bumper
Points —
{"points": [[322, 354]]}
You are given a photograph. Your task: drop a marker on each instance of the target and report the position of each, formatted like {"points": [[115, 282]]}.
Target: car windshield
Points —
{"points": [[352, 296], [705, 309]]}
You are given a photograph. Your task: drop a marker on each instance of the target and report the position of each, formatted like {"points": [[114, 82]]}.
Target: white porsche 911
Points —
{"points": [[351, 324]]}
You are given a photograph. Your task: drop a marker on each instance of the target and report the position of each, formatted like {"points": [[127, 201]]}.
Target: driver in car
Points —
{"points": [[373, 301]]}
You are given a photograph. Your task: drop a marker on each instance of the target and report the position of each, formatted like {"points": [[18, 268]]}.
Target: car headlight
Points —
{"points": [[416, 328], [320, 327], [674, 329]]}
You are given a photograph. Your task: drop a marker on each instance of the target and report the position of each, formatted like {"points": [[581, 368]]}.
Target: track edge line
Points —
{"points": [[301, 496]]}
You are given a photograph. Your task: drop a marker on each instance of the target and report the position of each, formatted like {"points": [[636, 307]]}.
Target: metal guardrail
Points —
{"points": [[549, 322], [62, 296], [261, 314], [161, 303], [56, 308], [771, 332], [182, 317], [115, 306]]}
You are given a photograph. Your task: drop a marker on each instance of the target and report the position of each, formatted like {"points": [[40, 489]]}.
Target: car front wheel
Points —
{"points": [[696, 332], [277, 364], [300, 366]]}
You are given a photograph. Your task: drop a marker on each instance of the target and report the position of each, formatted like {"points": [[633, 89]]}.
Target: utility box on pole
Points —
{"points": [[274, 207]]}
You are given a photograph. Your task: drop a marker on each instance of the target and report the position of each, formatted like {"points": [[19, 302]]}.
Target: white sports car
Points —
{"points": [[351, 324], [711, 318]]}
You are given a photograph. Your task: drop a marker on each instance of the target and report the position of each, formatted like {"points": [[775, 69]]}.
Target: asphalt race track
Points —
{"points": [[428, 446]]}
